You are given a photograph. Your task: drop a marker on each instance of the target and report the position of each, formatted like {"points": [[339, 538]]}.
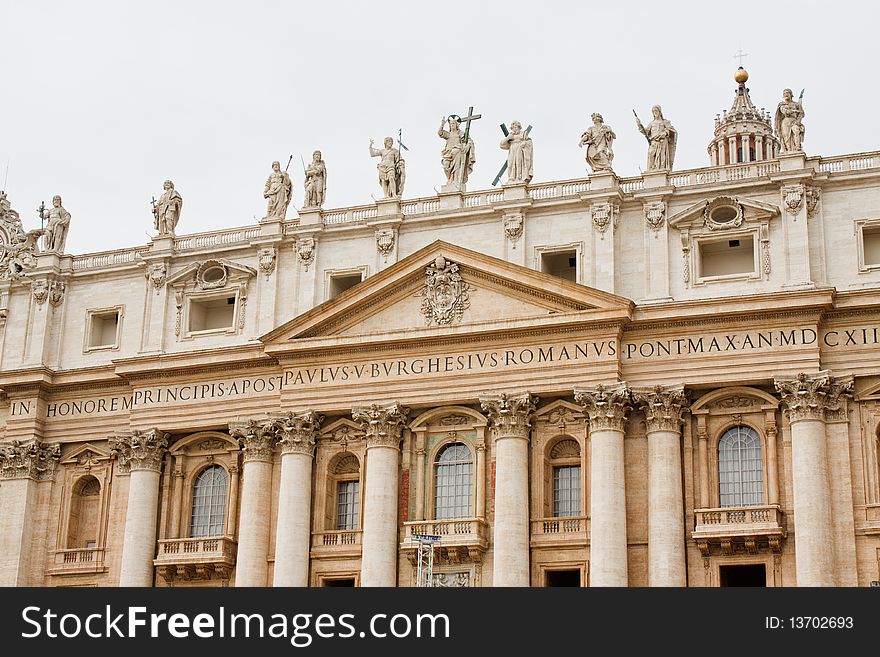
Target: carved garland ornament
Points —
{"points": [[606, 406], [381, 424], [510, 415], [445, 295], [34, 460]]}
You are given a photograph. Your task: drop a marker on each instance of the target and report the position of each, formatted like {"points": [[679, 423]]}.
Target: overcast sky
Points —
{"points": [[102, 101]]}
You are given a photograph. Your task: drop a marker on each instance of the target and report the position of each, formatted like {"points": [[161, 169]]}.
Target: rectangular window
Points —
{"points": [[339, 283], [727, 257], [347, 501], [560, 263], [871, 245], [566, 491], [103, 329], [211, 314]]}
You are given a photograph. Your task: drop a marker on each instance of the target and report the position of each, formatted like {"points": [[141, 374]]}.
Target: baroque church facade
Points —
{"points": [[663, 380]]}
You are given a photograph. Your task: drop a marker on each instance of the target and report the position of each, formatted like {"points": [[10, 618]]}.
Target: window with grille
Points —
{"points": [[453, 483], [740, 468], [347, 499], [209, 503], [566, 491]]}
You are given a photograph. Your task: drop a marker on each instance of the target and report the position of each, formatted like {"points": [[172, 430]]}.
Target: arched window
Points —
{"points": [[740, 468], [565, 461], [85, 510], [209, 503], [453, 482], [348, 492]]}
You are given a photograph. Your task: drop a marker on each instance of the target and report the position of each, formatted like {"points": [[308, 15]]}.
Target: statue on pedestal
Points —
{"points": [[457, 158], [392, 168], [166, 212], [316, 182], [278, 192], [662, 139], [598, 139], [519, 149], [57, 225], [788, 123]]}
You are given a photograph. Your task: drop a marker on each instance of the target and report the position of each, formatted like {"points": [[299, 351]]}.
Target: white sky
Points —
{"points": [[102, 101]]}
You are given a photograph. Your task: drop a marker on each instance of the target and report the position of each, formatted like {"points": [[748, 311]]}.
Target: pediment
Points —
{"points": [[444, 287], [698, 214], [192, 272], [86, 454]]}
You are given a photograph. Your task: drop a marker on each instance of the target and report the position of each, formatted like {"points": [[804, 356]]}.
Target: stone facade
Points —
{"points": [[319, 368]]}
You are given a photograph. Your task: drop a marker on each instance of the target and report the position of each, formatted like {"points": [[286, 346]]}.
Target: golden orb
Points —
{"points": [[741, 75]]}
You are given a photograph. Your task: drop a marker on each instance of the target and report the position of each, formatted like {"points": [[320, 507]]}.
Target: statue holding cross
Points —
{"points": [[459, 153], [518, 145]]}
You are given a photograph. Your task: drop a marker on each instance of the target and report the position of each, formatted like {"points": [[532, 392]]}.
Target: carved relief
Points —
{"points": [[140, 450], [34, 460], [765, 250], [242, 304], [56, 292], [723, 213], [211, 274], [211, 444], [736, 401], [566, 449], [452, 580], [561, 417], [605, 405], [654, 214], [513, 227], [305, 251], [156, 273], [663, 407], [603, 215], [40, 290], [266, 261], [813, 196], [453, 420], [510, 415], [445, 295], [178, 304], [17, 249], [792, 198], [347, 465], [385, 242], [381, 424]]}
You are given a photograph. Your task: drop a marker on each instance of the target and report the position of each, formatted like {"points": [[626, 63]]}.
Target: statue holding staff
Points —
{"points": [[662, 139]]}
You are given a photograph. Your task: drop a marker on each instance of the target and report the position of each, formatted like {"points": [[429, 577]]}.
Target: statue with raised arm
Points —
{"points": [[316, 182], [166, 212], [519, 149], [662, 139], [57, 225], [392, 168], [456, 157], [598, 139], [789, 122], [277, 192]]}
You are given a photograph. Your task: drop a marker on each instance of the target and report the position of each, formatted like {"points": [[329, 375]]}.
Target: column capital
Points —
{"points": [[382, 424], [297, 432], [140, 450], [664, 407], [34, 460], [509, 414], [605, 405], [257, 439], [814, 396]]}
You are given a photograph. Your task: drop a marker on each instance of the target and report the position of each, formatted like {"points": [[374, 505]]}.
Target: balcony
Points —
{"points": [[195, 559], [739, 529], [78, 561], [462, 540], [569, 531], [336, 543]]}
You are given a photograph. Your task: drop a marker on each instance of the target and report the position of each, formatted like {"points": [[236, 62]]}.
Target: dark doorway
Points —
{"points": [[563, 578], [751, 575], [339, 582]]}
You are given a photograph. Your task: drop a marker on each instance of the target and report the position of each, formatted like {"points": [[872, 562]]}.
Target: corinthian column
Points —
{"points": [[510, 418], [297, 433], [382, 426], [21, 467], [606, 406], [142, 453], [257, 440], [806, 400], [663, 415]]}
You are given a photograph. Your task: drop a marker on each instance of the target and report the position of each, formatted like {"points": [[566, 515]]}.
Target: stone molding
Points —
{"points": [[605, 405], [382, 424], [509, 414], [664, 407], [814, 396], [140, 450], [35, 460]]}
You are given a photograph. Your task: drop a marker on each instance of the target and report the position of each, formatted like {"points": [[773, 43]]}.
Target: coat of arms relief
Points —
{"points": [[445, 295]]}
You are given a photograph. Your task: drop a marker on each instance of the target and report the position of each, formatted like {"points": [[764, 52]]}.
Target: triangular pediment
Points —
{"points": [[85, 454], [698, 214], [444, 287]]}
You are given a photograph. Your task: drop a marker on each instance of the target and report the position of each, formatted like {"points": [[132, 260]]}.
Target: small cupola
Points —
{"points": [[744, 133]]}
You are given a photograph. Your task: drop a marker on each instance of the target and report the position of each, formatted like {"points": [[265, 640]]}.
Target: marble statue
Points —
{"points": [[598, 139], [662, 139], [18, 248], [316, 182], [457, 159], [166, 211], [392, 168], [57, 225], [278, 192], [518, 145], [788, 123]]}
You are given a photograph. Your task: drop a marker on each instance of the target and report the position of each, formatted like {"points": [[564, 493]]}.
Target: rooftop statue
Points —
{"points": [[315, 182], [789, 122], [166, 212], [278, 192], [392, 168], [598, 139], [18, 248], [518, 144], [662, 139], [58, 223], [457, 157]]}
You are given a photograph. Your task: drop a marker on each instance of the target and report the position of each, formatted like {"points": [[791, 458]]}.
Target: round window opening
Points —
{"points": [[724, 214], [213, 274]]}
